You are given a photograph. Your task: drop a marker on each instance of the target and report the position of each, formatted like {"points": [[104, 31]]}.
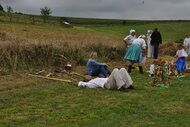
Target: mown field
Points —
{"points": [[27, 101]]}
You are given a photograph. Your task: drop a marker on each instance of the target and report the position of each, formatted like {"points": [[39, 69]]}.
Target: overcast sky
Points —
{"points": [[112, 9]]}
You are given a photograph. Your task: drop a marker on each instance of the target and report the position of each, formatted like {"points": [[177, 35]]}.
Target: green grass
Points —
{"points": [[27, 101], [170, 31]]}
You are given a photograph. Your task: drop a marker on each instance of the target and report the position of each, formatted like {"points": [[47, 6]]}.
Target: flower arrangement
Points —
{"points": [[163, 72]]}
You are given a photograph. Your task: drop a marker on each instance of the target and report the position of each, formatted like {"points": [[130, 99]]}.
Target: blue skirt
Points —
{"points": [[181, 64], [134, 53]]}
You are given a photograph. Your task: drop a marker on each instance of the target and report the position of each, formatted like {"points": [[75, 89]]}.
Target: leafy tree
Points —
{"points": [[45, 13], [10, 11], [1, 8]]}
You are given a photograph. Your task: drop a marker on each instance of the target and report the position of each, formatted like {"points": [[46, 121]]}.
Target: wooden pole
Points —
{"points": [[55, 79]]}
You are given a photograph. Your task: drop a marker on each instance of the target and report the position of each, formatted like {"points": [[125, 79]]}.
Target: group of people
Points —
{"points": [[119, 79], [137, 47]]}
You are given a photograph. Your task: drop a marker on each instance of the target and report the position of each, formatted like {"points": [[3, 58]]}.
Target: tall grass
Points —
{"points": [[23, 47], [26, 46]]}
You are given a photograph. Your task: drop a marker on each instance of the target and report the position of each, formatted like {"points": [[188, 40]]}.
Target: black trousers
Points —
{"points": [[156, 51]]}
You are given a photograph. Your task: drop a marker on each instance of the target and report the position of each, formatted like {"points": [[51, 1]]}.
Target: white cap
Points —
{"points": [[131, 31]]}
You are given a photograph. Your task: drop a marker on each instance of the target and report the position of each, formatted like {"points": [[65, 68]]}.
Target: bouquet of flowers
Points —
{"points": [[161, 76]]}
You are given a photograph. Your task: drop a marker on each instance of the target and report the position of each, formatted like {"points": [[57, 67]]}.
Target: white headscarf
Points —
{"points": [[131, 31], [142, 36]]}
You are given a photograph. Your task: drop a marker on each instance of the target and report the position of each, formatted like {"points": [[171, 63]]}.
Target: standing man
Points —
{"points": [[156, 39], [128, 40]]}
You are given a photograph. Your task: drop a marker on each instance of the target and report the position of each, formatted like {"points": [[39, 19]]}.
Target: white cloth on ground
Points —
{"points": [[152, 69]]}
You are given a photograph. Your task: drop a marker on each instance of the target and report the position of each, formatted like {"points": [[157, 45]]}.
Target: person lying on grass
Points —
{"points": [[118, 80], [94, 68]]}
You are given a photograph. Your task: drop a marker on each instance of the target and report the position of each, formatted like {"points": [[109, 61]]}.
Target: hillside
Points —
{"points": [[43, 39], [55, 20], [30, 47]]}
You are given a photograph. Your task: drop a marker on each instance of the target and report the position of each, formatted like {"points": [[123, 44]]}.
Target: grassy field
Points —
{"points": [[55, 20], [27, 101], [23, 45], [171, 32]]}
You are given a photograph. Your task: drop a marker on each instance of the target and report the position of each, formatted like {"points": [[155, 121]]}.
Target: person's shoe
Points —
{"points": [[122, 89], [131, 87]]}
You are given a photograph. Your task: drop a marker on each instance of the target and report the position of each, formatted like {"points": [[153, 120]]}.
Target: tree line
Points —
{"points": [[45, 12]]}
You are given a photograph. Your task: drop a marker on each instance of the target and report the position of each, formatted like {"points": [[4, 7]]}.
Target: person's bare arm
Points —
{"points": [[126, 42], [144, 52]]}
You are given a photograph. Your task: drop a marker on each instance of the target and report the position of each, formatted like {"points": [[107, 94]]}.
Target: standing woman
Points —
{"points": [[136, 52], [186, 44], [150, 47], [128, 40]]}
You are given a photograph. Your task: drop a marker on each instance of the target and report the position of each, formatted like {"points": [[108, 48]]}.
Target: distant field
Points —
{"points": [[28, 18], [171, 32]]}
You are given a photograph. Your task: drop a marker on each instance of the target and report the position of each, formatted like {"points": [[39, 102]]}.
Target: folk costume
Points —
{"points": [[130, 38], [150, 53], [134, 52], [186, 44], [181, 62]]}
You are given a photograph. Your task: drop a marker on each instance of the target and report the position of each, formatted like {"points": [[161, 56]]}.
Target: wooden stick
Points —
{"points": [[56, 79], [40, 72], [48, 75]]}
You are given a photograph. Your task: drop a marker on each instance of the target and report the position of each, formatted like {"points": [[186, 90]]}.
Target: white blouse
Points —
{"points": [[140, 42], [130, 38], [181, 53], [94, 83]]}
